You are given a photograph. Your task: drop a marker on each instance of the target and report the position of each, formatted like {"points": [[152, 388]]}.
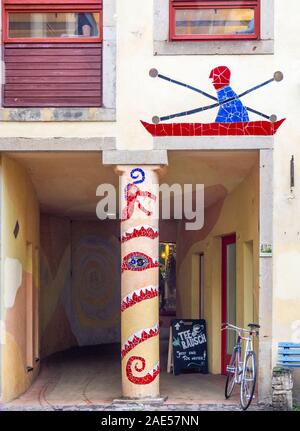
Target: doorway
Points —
{"points": [[228, 279], [201, 286], [167, 287]]}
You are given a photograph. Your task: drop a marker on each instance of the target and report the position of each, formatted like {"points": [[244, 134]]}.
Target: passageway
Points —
{"points": [[77, 315], [92, 376]]}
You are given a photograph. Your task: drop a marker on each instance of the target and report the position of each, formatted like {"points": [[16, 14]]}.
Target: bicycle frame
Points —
{"points": [[240, 363], [242, 368]]}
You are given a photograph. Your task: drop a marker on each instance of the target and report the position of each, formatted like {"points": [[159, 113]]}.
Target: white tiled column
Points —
{"points": [[139, 204]]}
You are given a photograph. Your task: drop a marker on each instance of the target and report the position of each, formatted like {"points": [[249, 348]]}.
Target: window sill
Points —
{"points": [[232, 47], [57, 114], [211, 143]]}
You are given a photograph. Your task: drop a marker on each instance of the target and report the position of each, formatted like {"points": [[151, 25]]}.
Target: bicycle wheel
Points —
{"points": [[231, 368], [248, 380]]}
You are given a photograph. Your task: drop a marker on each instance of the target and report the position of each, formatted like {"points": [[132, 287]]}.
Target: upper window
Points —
{"points": [[213, 20], [52, 53], [58, 21], [49, 25]]}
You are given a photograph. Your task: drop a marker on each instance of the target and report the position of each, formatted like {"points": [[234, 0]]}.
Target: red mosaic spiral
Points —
{"points": [[144, 380]]}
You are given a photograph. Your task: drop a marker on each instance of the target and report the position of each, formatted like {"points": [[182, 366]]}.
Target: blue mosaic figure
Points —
{"points": [[233, 111]]}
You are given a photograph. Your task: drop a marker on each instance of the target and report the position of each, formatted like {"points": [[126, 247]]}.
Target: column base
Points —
{"points": [[159, 401]]}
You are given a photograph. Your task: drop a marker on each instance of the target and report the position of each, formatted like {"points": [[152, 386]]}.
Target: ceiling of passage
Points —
{"points": [[66, 182]]}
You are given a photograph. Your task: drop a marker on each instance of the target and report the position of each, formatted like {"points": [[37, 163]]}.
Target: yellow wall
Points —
{"points": [[238, 213], [19, 203]]}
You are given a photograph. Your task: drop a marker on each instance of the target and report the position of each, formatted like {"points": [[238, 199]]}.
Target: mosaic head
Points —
{"points": [[220, 77]]}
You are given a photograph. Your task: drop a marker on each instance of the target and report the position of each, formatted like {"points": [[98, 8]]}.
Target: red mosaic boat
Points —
{"points": [[251, 128]]}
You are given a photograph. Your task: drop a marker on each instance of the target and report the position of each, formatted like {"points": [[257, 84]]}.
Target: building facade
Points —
{"points": [[77, 103]]}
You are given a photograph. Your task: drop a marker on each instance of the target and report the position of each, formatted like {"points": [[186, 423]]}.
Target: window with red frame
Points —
{"points": [[52, 53], [214, 20]]}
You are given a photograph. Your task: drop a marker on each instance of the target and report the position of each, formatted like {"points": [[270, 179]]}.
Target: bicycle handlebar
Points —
{"points": [[227, 325]]}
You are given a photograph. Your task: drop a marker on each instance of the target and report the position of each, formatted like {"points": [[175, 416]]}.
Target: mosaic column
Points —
{"points": [[139, 205]]}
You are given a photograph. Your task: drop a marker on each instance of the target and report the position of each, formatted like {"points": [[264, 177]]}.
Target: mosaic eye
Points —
{"points": [[138, 262]]}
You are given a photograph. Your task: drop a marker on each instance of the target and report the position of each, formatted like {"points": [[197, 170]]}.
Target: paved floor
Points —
{"points": [[89, 378]]}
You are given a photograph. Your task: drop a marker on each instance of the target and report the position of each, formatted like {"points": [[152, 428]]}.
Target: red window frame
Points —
{"points": [[223, 4], [93, 6], [225, 357]]}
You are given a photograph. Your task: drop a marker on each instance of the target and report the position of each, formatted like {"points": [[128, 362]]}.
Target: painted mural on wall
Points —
{"points": [[82, 309], [94, 311], [232, 118], [136, 208]]}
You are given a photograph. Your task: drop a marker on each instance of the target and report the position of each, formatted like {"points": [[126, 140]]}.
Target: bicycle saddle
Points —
{"points": [[253, 325]]}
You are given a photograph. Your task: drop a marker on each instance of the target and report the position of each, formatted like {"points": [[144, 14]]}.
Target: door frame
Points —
{"points": [[226, 240], [201, 285]]}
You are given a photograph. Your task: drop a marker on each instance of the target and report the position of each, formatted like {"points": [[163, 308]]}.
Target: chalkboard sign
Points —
{"points": [[189, 346]]}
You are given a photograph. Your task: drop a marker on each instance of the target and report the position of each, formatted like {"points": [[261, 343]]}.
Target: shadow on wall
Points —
{"points": [[80, 283]]}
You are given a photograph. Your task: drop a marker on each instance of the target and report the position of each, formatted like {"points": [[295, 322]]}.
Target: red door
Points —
{"points": [[228, 297]]}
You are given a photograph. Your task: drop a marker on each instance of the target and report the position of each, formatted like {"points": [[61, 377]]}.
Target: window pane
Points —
{"points": [[214, 21], [52, 25]]}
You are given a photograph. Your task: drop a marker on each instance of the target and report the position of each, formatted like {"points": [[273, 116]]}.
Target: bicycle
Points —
{"points": [[242, 371]]}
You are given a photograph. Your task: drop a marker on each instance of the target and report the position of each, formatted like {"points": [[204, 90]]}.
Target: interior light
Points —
{"points": [[167, 250]]}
